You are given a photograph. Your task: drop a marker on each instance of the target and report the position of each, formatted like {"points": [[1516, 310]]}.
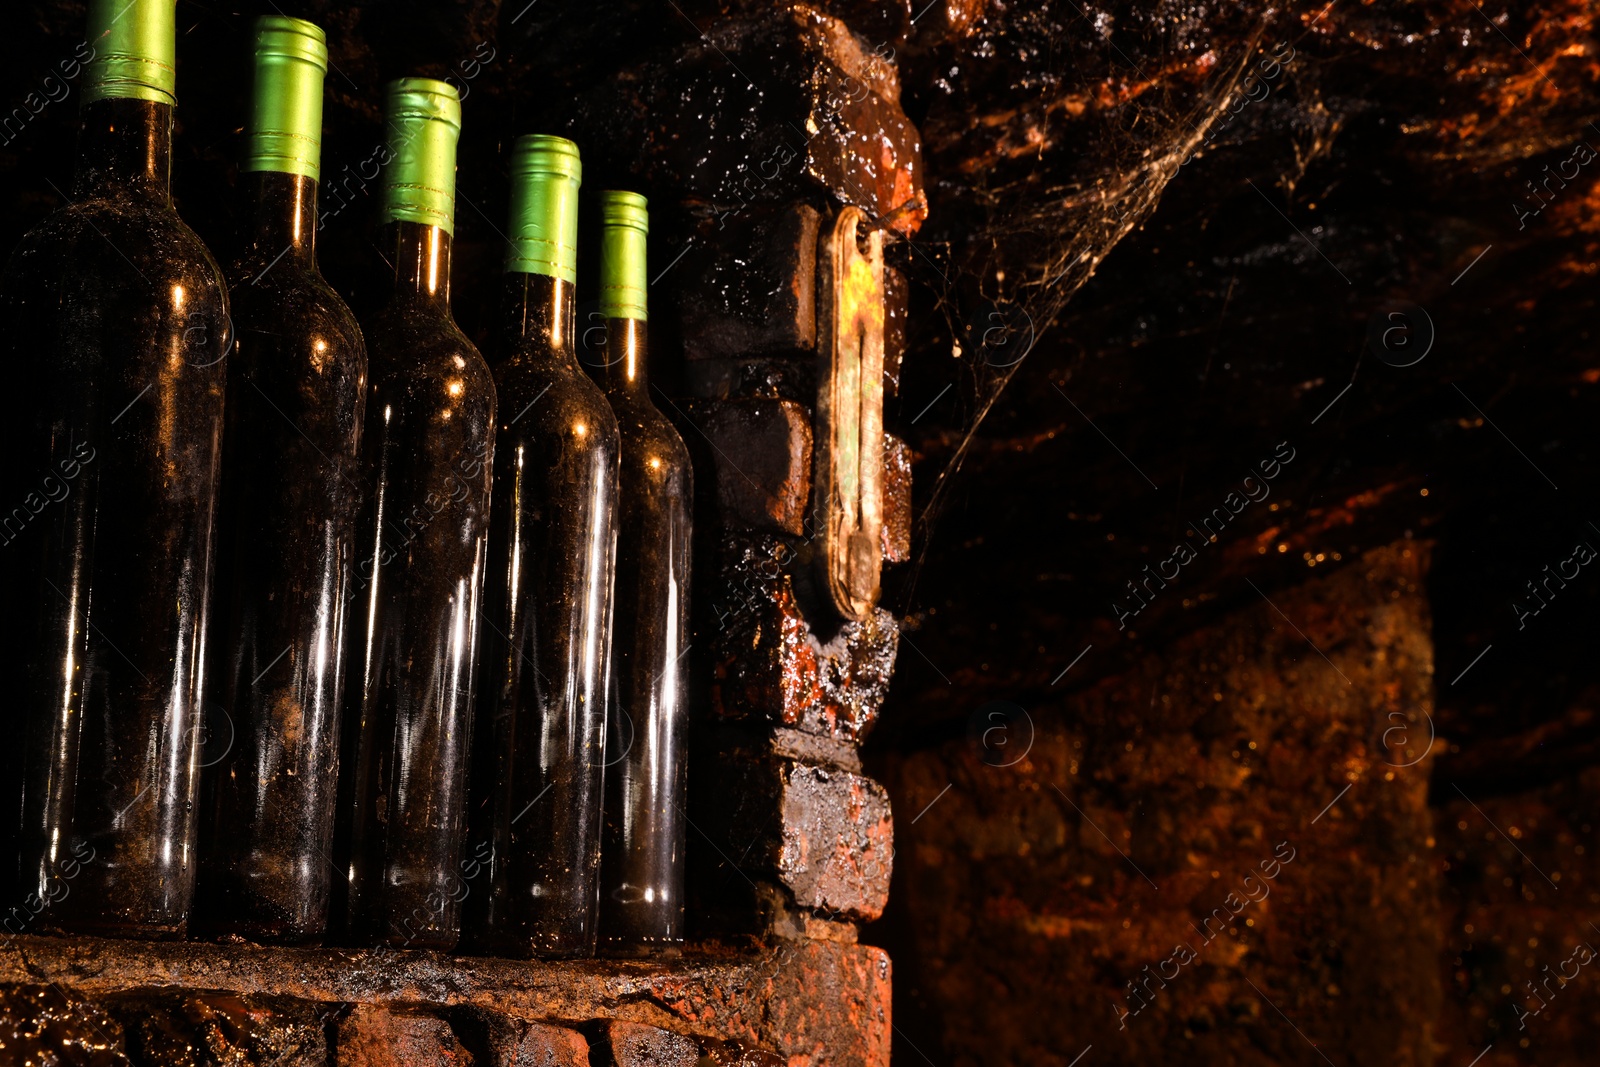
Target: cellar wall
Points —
{"points": [[1237, 825]]}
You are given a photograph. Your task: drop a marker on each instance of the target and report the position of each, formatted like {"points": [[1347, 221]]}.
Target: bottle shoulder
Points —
{"points": [[548, 387], [303, 305], [418, 342], [117, 242], [645, 429], [424, 364]]}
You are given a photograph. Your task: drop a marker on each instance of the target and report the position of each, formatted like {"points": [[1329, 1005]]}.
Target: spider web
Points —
{"points": [[1029, 233]]}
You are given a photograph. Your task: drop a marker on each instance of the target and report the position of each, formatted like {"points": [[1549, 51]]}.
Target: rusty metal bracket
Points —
{"points": [[847, 494]]}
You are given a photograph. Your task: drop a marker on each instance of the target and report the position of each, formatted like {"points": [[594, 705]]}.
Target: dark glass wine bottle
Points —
{"points": [[421, 545], [296, 389], [641, 879], [548, 599], [117, 325]]}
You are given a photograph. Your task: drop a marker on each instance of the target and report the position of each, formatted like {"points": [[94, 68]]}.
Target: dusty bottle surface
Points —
{"points": [[421, 551], [290, 487], [548, 601], [641, 881], [118, 328]]}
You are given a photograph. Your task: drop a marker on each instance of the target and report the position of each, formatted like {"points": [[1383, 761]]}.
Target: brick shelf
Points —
{"points": [[810, 1002]]}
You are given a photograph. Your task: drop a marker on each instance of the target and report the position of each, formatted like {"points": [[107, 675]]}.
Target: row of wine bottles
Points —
{"points": [[435, 582]]}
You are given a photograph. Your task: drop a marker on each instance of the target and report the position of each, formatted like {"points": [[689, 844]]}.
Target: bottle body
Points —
{"points": [[421, 552], [547, 650], [641, 902], [120, 317], [296, 393]]}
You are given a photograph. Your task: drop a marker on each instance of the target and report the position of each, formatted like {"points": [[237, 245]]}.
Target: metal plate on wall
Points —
{"points": [[847, 497]]}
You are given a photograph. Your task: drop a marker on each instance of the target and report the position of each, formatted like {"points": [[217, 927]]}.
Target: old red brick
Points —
{"points": [[749, 284], [506, 1041], [760, 452], [548, 1046], [371, 1036], [838, 841], [167, 1029], [825, 835], [863, 150], [625, 1044]]}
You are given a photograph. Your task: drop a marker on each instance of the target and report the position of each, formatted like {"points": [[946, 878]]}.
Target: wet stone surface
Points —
{"points": [[202, 1029], [43, 1025], [818, 113], [897, 512]]}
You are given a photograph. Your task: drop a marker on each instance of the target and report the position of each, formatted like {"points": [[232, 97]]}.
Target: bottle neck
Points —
{"points": [[541, 309], [421, 265], [284, 230], [125, 146], [624, 372]]}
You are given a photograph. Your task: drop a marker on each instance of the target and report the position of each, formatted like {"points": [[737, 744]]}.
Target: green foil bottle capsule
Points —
{"points": [[296, 391], [285, 131], [641, 881], [117, 337], [135, 51], [427, 454], [422, 120], [548, 599]]}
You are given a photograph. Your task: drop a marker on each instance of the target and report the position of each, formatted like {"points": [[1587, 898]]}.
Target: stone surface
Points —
{"points": [[200, 1029], [372, 1036], [1256, 792], [824, 835], [896, 529], [747, 284], [504, 1041], [768, 109], [770, 661], [47, 1026], [814, 1003], [624, 1044], [759, 451]]}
